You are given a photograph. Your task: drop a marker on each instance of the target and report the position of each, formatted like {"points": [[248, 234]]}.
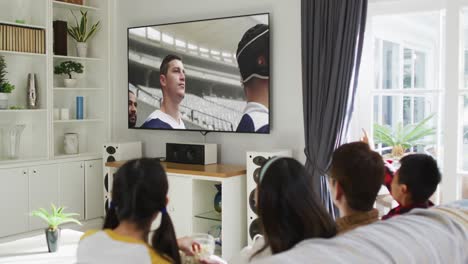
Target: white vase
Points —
{"points": [[11, 140], [70, 83], [82, 49], [3, 100], [70, 143]]}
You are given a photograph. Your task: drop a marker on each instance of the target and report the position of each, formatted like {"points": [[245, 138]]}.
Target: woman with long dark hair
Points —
{"points": [[139, 195], [288, 210]]}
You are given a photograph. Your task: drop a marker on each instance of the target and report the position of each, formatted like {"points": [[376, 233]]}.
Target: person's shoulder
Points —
{"points": [[246, 124], [156, 123], [89, 233]]}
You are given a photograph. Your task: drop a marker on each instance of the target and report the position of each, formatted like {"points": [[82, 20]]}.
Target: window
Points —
{"points": [[401, 95]]}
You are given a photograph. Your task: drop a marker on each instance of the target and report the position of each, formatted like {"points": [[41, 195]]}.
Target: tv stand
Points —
{"points": [[191, 207]]}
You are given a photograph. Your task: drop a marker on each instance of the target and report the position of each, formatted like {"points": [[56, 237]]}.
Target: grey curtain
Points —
{"points": [[332, 39]]}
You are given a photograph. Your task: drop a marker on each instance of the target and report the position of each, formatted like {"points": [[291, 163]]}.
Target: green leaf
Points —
{"points": [[80, 31], [56, 217], [405, 136]]}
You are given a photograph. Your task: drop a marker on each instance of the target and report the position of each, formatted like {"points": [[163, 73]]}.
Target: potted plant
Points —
{"points": [[53, 219], [81, 33], [68, 67], [5, 86], [403, 137]]}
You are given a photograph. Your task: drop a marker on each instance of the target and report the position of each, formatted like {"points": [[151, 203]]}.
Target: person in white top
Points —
{"points": [[172, 80], [288, 210], [139, 194]]}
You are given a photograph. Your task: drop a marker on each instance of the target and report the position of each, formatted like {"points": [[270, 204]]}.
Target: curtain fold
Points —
{"points": [[332, 40]]}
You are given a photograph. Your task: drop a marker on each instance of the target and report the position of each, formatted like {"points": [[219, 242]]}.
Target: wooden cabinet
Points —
{"points": [[14, 201], [77, 185], [94, 207], [179, 205], [72, 187], [43, 190]]}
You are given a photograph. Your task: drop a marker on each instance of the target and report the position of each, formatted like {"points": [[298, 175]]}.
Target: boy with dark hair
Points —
{"points": [[356, 176], [413, 183]]}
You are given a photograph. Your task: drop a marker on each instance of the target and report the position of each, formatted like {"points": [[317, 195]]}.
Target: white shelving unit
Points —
{"points": [[43, 173], [43, 136]]}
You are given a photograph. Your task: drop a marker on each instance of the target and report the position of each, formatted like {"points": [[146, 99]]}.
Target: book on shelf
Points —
{"points": [[22, 39]]}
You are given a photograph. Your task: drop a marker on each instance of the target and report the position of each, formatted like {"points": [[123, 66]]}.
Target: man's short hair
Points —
{"points": [[360, 172], [420, 174], [165, 63], [254, 43]]}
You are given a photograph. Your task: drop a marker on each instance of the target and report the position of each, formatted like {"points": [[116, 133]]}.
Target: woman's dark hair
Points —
{"points": [[288, 208], [139, 191]]}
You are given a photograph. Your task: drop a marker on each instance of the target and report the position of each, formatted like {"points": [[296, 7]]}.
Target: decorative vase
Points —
{"points": [[70, 83], [217, 199], [3, 101], [82, 49], [32, 91], [70, 143], [53, 239], [12, 139]]}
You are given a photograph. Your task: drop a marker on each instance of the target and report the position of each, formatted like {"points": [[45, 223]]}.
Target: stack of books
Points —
{"points": [[22, 39]]}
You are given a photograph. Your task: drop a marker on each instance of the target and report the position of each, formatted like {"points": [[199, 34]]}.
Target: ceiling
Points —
{"points": [[220, 34]]}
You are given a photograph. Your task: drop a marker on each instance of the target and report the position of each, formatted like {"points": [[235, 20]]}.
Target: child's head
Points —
{"points": [[357, 174], [416, 179], [287, 206], [139, 193]]}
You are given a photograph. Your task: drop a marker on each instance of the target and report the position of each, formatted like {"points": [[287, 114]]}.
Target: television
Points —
{"points": [[205, 75]]}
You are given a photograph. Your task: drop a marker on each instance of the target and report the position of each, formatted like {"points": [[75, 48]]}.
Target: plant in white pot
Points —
{"points": [[81, 33], [402, 137], [53, 219], [67, 68], [5, 87]]}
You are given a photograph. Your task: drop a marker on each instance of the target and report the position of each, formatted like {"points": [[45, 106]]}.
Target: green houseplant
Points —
{"points": [[81, 32], [5, 86], [403, 137], [53, 219], [67, 68]]}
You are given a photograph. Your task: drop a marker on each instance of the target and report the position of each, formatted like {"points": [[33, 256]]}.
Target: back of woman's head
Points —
{"points": [[288, 207], [139, 192]]}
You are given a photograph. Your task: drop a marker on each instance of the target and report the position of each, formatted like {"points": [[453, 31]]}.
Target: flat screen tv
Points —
{"points": [[206, 75]]}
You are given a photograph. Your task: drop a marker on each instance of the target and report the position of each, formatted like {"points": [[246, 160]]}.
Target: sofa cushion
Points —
{"points": [[436, 235]]}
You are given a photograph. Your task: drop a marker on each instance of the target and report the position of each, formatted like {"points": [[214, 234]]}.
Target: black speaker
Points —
{"points": [[191, 153]]}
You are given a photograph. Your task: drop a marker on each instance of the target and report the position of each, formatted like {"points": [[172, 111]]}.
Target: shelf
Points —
{"points": [[23, 53], [76, 58], [77, 89], [79, 155], [21, 25], [59, 4], [23, 111], [77, 121], [211, 215], [5, 162]]}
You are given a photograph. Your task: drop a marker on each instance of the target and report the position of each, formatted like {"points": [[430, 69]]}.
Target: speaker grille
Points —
{"points": [[254, 228], [111, 150]]}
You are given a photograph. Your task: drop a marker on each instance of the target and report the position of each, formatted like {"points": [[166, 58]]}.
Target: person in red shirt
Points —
{"points": [[413, 183]]}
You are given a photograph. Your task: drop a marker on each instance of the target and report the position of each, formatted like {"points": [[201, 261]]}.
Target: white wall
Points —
{"points": [[287, 130]]}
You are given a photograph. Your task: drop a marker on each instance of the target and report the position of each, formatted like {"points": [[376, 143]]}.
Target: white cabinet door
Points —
{"points": [[180, 204], [71, 188], [43, 190], [94, 205], [14, 201]]}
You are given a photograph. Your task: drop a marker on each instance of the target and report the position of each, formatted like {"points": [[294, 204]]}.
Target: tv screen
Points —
{"points": [[207, 75]]}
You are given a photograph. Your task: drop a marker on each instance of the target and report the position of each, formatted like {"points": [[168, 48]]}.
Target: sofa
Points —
{"points": [[436, 235]]}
